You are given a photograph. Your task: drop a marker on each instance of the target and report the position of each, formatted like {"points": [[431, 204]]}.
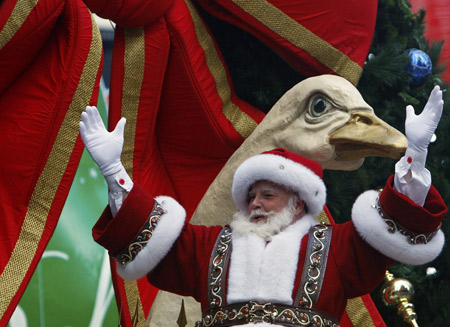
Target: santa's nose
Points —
{"points": [[256, 203], [255, 206]]}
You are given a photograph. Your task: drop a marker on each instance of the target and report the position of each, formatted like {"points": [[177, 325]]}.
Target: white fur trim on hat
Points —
{"points": [[164, 236], [282, 171], [371, 227]]}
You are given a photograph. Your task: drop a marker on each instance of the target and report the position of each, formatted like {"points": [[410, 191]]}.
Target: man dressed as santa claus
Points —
{"points": [[274, 264]]}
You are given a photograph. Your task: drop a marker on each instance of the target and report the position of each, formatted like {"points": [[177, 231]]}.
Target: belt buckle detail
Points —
{"points": [[259, 312]]}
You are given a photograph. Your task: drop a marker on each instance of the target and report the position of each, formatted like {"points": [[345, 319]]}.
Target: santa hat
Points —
{"points": [[290, 170]]}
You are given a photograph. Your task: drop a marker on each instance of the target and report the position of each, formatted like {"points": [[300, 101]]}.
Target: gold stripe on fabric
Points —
{"points": [[358, 313], [134, 303], [322, 217], [301, 37], [241, 122], [134, 62], [18, 16], [50, 178]]}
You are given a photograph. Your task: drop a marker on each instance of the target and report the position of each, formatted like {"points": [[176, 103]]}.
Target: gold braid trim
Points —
{"points": [[134, 63], [289, 29], [241, 122], [358, 314], [18, 16]]}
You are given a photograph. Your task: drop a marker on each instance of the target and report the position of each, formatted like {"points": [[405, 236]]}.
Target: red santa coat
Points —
{"points": [[176, 258]]}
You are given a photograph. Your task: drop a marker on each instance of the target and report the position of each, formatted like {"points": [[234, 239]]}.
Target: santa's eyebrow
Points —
{"points": [[268, 189], [264, 190]]}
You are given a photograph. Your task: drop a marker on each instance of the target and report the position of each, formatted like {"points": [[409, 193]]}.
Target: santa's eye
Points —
{"points": [[319, 106]]}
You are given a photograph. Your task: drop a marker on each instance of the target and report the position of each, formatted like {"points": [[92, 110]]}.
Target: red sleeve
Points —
{"points": [[361, 267], [411, 215], [115, 233], [185, 268]]}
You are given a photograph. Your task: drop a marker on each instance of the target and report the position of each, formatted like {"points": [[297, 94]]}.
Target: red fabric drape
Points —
{"points": [[437, 26], [50, 63], [183, 118]]}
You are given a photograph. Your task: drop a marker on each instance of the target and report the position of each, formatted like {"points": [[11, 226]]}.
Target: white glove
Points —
{"points": [[104, 147], [420, 129]]}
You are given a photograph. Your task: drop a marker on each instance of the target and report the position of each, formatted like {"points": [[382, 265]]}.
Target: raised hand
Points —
{"points": [[104, 147], [419, 129]]}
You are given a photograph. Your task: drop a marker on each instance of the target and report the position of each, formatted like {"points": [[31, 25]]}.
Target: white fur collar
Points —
{"points": [[262, 271]]}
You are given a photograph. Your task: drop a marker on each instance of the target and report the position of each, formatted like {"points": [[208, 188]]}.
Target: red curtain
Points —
{"points": [[437, 26]]}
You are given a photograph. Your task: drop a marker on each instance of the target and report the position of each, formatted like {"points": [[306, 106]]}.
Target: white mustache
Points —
{"points": [[258, 212]]}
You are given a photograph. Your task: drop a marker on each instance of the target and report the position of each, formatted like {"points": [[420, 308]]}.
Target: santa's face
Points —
{"points": [[265, 197], [271, 209], [271, 224]]}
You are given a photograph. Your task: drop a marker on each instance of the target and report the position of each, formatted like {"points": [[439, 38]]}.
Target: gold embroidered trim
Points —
{"points": [[393, 227], [218, 268], [315, 266], [130, 253], [269, 313]]}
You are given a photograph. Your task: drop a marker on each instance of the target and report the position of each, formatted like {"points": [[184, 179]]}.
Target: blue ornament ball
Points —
{"points": [[420, 66]]}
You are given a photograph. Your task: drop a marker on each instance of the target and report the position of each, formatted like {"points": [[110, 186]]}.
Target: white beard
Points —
{"points": [[274, 223]]}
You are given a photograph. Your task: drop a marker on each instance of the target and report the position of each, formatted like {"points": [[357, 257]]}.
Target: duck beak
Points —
{"points": [[366, 135]]}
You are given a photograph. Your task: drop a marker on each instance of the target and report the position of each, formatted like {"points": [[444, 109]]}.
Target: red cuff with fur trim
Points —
{"points": [[408, 214], [115, 233]]}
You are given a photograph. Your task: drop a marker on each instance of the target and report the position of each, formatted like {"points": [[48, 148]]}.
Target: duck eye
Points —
{"points": [[319, 106]]}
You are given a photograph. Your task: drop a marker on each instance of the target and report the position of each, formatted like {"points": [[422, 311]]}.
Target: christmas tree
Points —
{"points": [[389, 83], [389, 87]]}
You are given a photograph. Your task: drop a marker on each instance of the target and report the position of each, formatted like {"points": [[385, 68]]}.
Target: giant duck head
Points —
{"points": [[323, 118], [326, 119]]}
